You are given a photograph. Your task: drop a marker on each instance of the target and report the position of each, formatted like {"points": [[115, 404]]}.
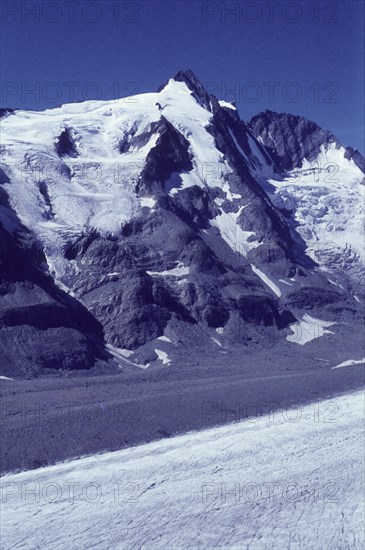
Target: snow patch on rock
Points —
{"points": [[162, 355], [308, 329], [349, 363]]}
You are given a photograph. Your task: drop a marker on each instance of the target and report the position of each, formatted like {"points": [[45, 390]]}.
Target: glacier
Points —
{"points": [[289, 479]]}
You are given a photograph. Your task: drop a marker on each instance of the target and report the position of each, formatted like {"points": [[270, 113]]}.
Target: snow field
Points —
{"points": [[273, 482]]}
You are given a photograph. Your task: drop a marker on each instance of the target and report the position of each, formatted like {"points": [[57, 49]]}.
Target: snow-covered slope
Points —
{"points": [[319, 185], [292, 479], [326, 197], [89, 184]]}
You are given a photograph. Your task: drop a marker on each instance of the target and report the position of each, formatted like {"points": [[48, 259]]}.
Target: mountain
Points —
{"points": [[171, 225], [319, 186]]}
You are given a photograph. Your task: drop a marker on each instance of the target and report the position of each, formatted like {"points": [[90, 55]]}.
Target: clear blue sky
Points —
{"points": [[303, 57]]}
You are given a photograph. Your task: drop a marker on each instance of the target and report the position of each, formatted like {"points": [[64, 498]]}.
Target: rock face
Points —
{"points": [[290, 139], [5, 112], [41, 326], [169, 155], [156, 217]]}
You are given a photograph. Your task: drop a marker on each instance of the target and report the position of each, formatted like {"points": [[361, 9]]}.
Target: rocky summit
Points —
{"points": [[165, 220]]}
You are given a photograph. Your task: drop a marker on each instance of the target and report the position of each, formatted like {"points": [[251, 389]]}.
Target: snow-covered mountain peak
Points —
{"points": [[166, 208], [196, 88]]}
